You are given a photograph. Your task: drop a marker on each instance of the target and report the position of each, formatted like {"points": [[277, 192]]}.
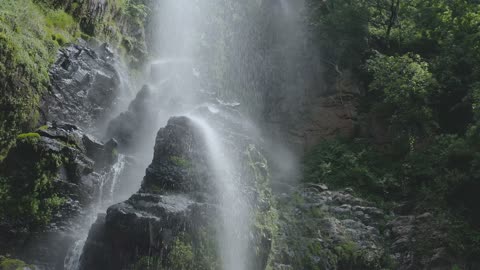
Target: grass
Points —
{"points": [[30, 35]]}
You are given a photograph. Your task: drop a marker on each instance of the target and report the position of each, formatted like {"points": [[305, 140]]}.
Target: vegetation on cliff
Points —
{"points": [[31, 32], [418, 121]]}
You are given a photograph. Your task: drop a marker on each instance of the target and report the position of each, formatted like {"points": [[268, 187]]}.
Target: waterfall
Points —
{"points": [[234, 226], [205, 51]]}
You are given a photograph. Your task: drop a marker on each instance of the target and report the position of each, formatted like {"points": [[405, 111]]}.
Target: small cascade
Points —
{"points": [[115, 174], [106, 197], [72, 260]]}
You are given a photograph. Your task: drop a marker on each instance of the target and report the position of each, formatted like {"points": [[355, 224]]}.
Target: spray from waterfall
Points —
{"points": [[235, 221]]}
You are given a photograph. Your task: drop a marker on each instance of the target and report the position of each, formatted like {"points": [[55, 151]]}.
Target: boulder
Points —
{"points": [[173, 219], [84, 86], [132, 124]]}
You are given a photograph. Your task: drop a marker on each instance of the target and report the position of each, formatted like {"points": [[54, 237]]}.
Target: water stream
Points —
{"points": [[105, 198], [234, 228]]}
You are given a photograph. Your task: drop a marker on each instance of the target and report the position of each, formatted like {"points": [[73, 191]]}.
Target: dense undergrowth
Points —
{"points": [[419, 62], [27, 193]]}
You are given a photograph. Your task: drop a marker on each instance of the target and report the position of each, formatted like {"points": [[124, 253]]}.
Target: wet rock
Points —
{"points": [[103, 154], [328, 229], [54, 163], [421, 241], [178, 207], [84, 86], [132, 124]]}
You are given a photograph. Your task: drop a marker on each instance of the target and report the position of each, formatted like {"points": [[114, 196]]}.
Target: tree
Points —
{"points": [[405, 84]]}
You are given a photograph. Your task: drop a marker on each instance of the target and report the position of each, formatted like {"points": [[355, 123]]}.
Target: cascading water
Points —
{"points": [[204, 49], [234, 228], [105, 198]]}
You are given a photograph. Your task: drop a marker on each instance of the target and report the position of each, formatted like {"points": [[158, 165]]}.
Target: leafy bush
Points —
{"points": [[340, 29], [345, 164], [404, 84]]}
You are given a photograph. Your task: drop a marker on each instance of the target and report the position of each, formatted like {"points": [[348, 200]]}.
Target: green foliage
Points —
{"points": [[181, 255], [343, 164], [31, 31], [29, 37], [404, 84], [442, 177], [340, 28], [12, 264], [28, 197]]}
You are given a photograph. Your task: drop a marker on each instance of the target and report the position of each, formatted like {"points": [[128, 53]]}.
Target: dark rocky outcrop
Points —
{"points": [[84, 86], [422, 241], [131, 125], [52, 178], [322, 229], [172, 221]]}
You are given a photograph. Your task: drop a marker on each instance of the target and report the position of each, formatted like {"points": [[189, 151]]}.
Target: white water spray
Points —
{"points": [[234, 227]]}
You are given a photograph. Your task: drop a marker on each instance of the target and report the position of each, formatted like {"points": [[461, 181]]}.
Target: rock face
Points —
{"points": [[325, 110], [322, 229], [84, 86], [421, 241], [131, 125], [171, 221], [56, 170]]}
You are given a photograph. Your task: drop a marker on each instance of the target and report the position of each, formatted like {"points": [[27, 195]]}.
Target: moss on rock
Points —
{"points": [[30, 35], [7, 263], [28, 196]]}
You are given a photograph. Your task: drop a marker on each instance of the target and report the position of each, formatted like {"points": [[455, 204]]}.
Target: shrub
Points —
{"points": [[404, 83], [344, 164]]}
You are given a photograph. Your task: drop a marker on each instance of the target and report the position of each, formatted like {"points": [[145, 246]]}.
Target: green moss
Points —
{"points": [[181, 255], [28, 195], [12, 264], [181, 162], [266, 216], [31, 135], [30, 35], [43, 128]]}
